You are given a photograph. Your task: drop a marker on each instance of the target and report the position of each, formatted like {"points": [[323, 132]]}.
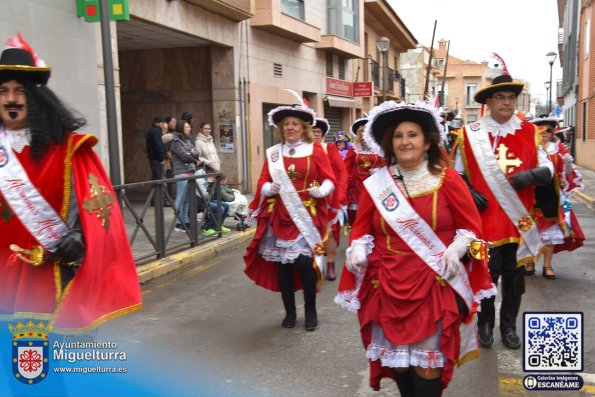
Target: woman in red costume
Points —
{"points": [[360, 163], [291, 207], [319, 130], [558, 226], [415, 298]]}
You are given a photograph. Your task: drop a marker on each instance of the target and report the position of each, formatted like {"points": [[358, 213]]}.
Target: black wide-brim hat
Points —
{"points": [[550, 121], [323, 124], [501, 83], [358, 123], [301, 112], [18, 64], [385, 116]]}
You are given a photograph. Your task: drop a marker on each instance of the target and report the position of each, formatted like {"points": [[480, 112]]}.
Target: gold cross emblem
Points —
{"points": [[506, 161], [366, 163], [291, 172], [101, 202]]}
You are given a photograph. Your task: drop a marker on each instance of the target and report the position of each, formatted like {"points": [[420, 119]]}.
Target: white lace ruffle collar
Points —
{"points": [[418, 180], [20, 139], [497, 129]]}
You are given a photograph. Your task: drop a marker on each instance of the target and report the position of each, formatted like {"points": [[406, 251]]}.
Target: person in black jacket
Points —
{"points": [[156, 149]]}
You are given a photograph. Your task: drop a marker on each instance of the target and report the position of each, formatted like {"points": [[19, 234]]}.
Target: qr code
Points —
{"points": [[553, 341]]}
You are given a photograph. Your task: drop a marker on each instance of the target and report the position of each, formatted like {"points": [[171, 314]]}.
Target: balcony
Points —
{"points": [[268, 17], [338, 45], [237, 10]]}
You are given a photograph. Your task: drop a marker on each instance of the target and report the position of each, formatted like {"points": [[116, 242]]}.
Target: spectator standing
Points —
{"points": [[205, 145], [185, 162], [168, 137], [156, 149]]}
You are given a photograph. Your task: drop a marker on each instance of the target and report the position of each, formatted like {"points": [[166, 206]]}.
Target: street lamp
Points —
{"points": [[551, 57], [547, 85], [382, 43]]}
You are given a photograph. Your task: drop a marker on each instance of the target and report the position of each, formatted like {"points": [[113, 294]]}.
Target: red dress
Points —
{"points": [[359, 165], [106, 284], [341, 176], [399, 291], [553, 207], [315, 167]]}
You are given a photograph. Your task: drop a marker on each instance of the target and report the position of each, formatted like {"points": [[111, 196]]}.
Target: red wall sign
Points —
{"points": [[363, 88], [339, 87]]}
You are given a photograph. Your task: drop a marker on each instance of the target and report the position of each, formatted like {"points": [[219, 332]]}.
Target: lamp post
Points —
{"points": [[551, 57], [382, 43], [547, 94]]}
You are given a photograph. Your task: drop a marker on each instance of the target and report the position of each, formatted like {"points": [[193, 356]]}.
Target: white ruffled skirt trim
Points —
{"points": [[274, 249]]}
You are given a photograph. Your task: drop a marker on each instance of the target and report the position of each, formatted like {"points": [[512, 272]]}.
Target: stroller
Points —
{"points": [[238, 208]]}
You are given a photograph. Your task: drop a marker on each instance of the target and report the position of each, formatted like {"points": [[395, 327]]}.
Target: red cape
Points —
{"points": [[106, 284]]}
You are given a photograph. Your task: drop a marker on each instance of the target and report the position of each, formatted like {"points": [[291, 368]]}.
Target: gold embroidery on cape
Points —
{"points": [[101, 202], [366, 163], [506, 160]]}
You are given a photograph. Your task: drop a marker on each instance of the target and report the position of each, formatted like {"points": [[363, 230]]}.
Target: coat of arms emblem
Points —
{"points": [[30, 351], [391, 202]]}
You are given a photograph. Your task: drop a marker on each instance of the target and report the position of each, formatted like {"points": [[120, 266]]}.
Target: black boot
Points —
{"points": [[512, 294], [405, 382], [308, 278], [287, 294], [427, 387], [486, 319], [290, 314]]}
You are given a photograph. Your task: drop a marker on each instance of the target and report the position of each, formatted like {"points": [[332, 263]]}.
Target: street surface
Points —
{"points": [[209, 325]]}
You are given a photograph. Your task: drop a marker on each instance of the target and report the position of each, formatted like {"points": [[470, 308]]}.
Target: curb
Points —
{"points": [[584, 198], [180, 259]]}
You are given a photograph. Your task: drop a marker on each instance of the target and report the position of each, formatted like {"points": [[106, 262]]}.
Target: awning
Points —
{"points": [[340, 102]]}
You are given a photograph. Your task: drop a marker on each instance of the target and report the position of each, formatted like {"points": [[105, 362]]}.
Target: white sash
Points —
{"points": [[419, 236], [406, 222], [299, 213], [34, 212], [505, 194]]}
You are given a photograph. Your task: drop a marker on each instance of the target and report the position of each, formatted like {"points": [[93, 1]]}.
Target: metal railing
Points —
{"points": [[152, 234]]}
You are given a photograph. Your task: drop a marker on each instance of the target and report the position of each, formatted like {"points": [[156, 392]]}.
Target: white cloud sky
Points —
{"points": [[520, 31]]}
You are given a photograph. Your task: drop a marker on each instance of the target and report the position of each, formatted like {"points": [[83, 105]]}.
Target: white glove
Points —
{"points": [[323, 190], [270, 188], [450, 261], [357, 256]]}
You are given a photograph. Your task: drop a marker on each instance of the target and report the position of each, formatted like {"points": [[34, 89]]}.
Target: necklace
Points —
{"points": [[292, 147]]}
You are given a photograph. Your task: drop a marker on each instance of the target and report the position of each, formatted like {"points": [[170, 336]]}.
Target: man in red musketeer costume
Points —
{"points": [[64, 252], [502, 159]]}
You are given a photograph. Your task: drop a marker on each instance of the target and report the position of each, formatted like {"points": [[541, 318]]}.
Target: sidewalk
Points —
{"points": [[179, 257], [587, 196]]}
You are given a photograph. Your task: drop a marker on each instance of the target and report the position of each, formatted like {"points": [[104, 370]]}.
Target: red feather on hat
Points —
{"points": [[18, 42], [499, 58]]}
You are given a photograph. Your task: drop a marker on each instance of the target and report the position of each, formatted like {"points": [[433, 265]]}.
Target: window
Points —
{"points": [[342, 68], [329, 64], [375, 73], [343, 19], [294, 8], [471, 90]]}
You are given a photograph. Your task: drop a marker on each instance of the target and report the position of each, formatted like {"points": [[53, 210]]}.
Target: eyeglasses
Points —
{"points": [[504, 98]]}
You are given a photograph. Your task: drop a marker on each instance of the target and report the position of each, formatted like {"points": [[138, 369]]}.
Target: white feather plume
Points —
{"points": [[298, 97]]}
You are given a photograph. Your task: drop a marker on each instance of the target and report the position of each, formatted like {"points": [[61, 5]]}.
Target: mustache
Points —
{"points": [[14, 106]]}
